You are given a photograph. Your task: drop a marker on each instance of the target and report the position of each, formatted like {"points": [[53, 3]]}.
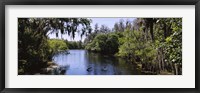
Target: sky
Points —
{"points": [[101, 21]]}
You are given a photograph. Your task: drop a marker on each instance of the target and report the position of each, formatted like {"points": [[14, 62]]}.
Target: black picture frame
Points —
{"points": [[3, 3]]}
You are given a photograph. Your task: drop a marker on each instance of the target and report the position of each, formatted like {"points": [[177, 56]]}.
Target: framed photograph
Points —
{"points": [[99, 46]]}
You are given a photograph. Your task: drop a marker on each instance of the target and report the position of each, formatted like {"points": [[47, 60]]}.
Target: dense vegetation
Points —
{"points": [[35, 49], [155, 44], [57, 45], [75, 44], [104, 43]]}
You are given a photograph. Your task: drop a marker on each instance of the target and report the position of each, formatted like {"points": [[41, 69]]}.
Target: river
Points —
{"points": [[82, 62]]}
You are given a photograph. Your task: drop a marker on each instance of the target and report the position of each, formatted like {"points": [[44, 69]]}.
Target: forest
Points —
{"points": [[153, 46]]}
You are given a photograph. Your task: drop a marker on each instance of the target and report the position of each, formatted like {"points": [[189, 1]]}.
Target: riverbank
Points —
{"points": [[53, 69]]}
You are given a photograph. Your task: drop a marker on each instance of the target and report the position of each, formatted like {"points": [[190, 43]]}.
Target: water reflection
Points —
{"points": [[82, 62]]}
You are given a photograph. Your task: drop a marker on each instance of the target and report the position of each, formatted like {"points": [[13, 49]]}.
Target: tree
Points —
{"points": [[134, 47], [34, 50], [173, 46], [121, 25], [128, 25], [116, 27], [96, 28], [104, 43], [149, 24], [154, 44], [163, 54], [104, 29], [146, 25], [57, 45], [92, 35]]}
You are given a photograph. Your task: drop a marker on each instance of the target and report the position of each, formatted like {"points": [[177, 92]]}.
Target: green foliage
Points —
{"points": [[174, 44], [134, 46], [34, 48], [98, 44], [104, 43], [57, 45], [155, 43], [75, 44]]}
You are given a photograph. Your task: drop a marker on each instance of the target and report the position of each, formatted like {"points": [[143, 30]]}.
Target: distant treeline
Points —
{"points": [[75, 44], [59, 44]]}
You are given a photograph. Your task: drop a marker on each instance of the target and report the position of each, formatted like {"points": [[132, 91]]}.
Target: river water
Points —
{"points": [[82, 62]]}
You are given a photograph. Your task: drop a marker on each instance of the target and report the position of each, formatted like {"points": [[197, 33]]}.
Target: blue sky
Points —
{"points": [[101, 21]]}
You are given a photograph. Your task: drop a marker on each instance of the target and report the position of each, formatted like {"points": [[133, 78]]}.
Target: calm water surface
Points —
{"points": [[82, 62]]}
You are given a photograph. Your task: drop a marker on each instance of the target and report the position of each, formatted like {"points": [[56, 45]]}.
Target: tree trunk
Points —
{"points": [[165, 30], [151, 30], [159, 60], [175, 69], [162, 58]]}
